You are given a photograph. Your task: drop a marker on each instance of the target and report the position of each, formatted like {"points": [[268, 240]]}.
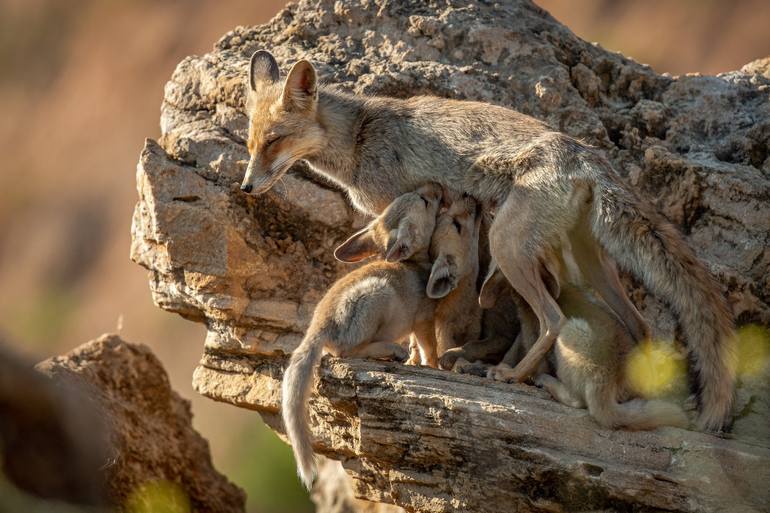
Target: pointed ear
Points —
{"points": [[401, 246], [493, 286], [263, 68], [448, 196], [359, 246], [443, 278], [300, 92]]}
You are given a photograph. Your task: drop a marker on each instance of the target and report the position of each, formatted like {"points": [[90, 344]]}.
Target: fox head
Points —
{"points": [[454, 246], [402, 230], [283, 126]]}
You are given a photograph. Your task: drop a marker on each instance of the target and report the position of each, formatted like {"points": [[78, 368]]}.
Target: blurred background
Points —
{"points": [[81, 83]]}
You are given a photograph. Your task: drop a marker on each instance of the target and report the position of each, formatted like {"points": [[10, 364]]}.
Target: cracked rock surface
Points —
{"points": [[252, 268]]}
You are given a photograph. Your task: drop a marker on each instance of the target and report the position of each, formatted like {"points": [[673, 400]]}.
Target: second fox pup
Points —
{"points": [[589, 357], [370, 310], [455, 254]]}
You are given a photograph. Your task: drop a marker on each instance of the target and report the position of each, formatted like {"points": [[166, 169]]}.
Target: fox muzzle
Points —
{"points": [[256, 182]]}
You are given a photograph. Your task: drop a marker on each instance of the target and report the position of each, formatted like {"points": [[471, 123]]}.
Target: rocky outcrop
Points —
{"points": [[251, 268], [156, 458]]}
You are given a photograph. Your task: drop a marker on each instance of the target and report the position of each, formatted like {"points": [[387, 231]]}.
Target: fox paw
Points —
{"points": [[500, 372], [450, 358], [463, 366]]}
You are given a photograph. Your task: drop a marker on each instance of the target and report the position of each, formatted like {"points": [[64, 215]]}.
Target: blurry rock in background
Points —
{"points": [[102, 426], [157, 455], [53, 439]]}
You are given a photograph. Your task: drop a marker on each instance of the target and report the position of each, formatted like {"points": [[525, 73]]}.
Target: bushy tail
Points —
{"points": [[297, 383], [641, 241], [637, 414]]}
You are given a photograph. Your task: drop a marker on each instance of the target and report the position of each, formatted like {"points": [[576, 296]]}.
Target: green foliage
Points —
{"points": [[40, 320], [263, 465]]}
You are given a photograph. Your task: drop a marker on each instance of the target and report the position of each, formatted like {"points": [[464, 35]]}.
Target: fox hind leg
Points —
{"points": [[518, 238]]}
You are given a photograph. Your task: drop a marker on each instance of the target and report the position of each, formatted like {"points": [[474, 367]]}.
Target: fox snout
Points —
{"points": [[256, 181]]}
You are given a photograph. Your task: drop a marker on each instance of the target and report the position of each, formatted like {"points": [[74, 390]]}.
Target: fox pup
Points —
{"points": [[589, 359], [368, 311], [546, 183], [455, 256]]}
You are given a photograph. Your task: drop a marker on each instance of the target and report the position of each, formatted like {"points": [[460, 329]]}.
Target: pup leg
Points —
{"points": [[474, 350], [425, 337], [380, 351], [415, 358], [558, 391]]}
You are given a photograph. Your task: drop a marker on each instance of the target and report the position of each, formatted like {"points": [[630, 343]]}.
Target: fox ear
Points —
{"points": [[443, 278], [263, 68], [301, 91], [448, 197], [493, 286], [401, 246], [359, 246]]}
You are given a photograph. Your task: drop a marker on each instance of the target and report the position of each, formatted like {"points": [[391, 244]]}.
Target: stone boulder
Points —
{"points": [[155, 454]]}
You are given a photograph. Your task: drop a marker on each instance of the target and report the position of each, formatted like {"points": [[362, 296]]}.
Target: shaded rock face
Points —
{"points": [[149, 426], [252, 268]]}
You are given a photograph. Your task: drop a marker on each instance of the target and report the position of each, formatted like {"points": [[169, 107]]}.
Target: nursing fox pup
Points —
{"points": [[370, 310], [589, 359], [545, 183]]}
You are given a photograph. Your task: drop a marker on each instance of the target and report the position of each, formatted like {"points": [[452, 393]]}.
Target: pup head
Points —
{"points": [[454, 246], [283, 126], [402, 231]]}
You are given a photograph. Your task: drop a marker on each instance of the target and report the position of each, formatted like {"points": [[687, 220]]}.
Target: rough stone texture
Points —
{"points": [[434, 441], [251, 268], [149, 425]]}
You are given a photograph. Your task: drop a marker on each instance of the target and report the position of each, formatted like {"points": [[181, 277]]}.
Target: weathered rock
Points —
{"points": [[251, 268], [154, 446], [434, 441]]}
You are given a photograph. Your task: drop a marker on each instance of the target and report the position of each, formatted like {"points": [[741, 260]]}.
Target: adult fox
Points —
{"points": [[545, 183]]}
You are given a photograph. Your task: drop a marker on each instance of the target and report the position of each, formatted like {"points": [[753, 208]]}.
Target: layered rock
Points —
{"points": [[252, 268]]}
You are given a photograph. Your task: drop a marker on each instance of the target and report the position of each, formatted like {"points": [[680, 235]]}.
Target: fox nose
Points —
{"points": [[247, 187]]}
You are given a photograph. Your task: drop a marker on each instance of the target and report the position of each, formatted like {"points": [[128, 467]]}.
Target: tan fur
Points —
{"points": [[367, 312], [545, 183], [454, 252], [589, 360]]}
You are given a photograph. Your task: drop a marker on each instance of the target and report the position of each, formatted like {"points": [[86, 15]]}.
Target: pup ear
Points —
{"points": [[359, 246], [263, 68], [402, 245], [300, 92], [493, 286], [443, 278], [448, 196]]}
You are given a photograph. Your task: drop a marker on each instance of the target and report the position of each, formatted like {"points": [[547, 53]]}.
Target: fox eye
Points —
{"points": [[457, 225], [272, 139]]}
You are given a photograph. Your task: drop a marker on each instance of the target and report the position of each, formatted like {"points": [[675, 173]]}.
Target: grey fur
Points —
{"points": [[378, 148]]}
